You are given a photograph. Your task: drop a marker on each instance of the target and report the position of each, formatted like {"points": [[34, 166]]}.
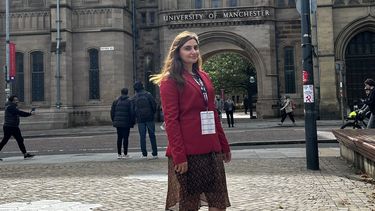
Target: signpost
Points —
{"points": [[312, 158]]}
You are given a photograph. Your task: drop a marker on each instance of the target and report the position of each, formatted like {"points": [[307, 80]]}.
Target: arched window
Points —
{"points": [[149, 70], [18, 83], [232, 3], [215, 3], [289, 70], [198, 4], [94, 91], [37, 76]]}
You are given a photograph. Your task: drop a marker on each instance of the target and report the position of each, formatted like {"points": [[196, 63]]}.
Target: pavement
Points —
{"points": [[258, 179]]}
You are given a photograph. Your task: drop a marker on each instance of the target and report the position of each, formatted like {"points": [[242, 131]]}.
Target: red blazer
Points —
{"points": [[182, 109]]}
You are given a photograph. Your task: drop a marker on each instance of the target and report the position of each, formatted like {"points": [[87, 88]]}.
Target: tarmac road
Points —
{"points": [[103, 139]]}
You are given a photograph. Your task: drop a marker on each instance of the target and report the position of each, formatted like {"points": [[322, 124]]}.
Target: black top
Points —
{"points": [[121, 112], [370, 101], [12, 115]]}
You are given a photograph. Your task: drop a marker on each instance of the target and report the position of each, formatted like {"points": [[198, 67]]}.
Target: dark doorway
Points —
{"points": [[360, 64]]}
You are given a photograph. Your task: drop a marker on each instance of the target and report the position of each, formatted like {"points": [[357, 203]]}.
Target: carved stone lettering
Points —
{"points": [[36, 3]]}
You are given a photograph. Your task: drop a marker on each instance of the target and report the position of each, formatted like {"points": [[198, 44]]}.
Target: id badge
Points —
{"points": [[208, 122]]}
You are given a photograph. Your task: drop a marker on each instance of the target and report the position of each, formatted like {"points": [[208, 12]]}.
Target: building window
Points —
{"points": [[152, 18], [37, 76], [18, 83], [289, 70], [198, 4], [232, 3], [143, 18], [291, 3], [94, 91], [281, 3], [215, 3]]}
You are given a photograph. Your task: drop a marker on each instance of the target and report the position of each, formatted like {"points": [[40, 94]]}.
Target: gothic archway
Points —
{"points": [[360, 64], [214, 42]]}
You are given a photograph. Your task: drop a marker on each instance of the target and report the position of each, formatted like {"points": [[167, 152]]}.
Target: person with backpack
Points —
{"points": [[122, 117], [144, 109], [287, 109]]}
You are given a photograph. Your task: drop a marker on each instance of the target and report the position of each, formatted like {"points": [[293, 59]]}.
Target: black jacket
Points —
{"points": [[370, 101], [121, 112], [12, 115]]}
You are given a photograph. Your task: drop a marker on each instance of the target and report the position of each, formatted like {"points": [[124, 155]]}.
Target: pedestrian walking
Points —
{"points": [[197, 146], [219, 105], [246, 103], [145, 108], [122, 117], [229, 108], [11, 125], [287, 109], [370, 101]]}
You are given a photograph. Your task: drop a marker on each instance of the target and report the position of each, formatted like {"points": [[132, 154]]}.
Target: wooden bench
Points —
{"points": [[358, 147]]}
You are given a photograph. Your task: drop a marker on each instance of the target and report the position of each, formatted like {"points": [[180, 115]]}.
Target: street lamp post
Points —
{"points": [[312, 155], [8, 87]]}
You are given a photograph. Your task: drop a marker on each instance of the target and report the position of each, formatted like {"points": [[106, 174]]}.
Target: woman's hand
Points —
{"points": [[227, 157], [181, 168]]}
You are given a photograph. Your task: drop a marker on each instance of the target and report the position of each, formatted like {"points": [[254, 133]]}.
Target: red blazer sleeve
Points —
{"points": [[170, 101]]}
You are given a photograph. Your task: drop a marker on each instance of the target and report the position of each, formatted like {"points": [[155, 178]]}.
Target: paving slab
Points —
{"points": [[258, 179]]}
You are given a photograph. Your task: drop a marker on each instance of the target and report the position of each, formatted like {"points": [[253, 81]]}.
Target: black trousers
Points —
{"points": [[284, 114], [16, 133], [122, 139], [230, 118]]}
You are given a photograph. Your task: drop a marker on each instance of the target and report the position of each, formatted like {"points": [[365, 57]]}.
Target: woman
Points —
{"points": [[196, 152], [287, 110], [123, 119]]}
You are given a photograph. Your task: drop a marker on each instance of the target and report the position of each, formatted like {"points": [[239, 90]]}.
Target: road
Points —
{"points": [[106, 142]]}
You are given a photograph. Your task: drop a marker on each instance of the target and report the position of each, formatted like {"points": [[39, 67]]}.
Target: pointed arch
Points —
{"points": [[232, 42]]}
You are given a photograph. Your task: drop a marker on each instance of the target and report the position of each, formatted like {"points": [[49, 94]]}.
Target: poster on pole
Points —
{"points": [[308, 93], [12, 61]]}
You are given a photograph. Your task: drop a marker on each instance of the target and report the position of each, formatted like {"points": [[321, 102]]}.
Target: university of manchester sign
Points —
{"points": [[239, 14]]}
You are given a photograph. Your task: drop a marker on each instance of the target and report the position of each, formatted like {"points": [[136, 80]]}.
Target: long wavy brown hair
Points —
{"points": [[173, 66]]}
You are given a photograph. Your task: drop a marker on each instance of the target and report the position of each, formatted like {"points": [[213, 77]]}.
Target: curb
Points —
{"points": [[281, 142]]}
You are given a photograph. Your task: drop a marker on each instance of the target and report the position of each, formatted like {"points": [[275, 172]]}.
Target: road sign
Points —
{"points": [[308, 93]]}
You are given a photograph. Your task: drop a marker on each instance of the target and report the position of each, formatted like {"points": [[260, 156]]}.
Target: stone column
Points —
{"points": [[329, 103]]}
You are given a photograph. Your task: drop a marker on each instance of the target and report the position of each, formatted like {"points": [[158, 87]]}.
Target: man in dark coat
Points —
{"points": [[145, 108], [11, 125], [122, 118], [370, 101]]}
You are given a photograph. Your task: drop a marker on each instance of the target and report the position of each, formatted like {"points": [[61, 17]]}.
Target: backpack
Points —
{"points": [[144, 108], [294, 106]]}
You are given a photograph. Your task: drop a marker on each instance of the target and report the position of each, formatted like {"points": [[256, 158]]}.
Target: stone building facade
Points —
{"points": [[98, 38]]}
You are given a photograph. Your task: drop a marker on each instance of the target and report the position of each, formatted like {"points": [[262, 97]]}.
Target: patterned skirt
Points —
{"points": [[203, 185]]}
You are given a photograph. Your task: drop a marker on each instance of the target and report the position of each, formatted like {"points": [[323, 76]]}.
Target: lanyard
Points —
{"points": [[199, 81]]}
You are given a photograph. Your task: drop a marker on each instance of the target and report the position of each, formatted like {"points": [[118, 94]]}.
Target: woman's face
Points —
{"points": [[189, 52]]}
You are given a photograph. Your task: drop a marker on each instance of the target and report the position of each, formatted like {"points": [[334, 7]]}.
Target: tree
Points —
{"points": [[231, 72]]}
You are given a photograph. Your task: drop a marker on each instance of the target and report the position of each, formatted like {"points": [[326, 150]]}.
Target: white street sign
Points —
{"points": [[109, 48], [308, 93]]}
